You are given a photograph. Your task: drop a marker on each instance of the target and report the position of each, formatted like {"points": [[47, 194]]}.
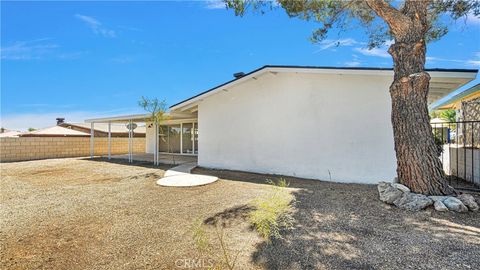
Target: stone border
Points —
{"points": [[401, 196]]}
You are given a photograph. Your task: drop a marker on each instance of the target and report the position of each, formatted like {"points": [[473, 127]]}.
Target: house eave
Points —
{"points": [[447, 80]]}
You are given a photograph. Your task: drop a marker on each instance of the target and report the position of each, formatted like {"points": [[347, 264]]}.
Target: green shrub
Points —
{"points": [[273, 211]]}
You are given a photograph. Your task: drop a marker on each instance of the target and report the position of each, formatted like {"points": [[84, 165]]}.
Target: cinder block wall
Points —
{"points": [[30, 148]]}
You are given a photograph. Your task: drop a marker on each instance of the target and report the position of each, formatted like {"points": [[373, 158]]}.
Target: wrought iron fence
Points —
{"points": [[459, 149]]}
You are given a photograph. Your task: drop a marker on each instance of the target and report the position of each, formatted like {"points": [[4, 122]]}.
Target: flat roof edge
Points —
{"points": [[117, 118]]}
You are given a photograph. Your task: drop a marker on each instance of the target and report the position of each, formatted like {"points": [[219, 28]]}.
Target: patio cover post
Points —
{"points": [[130, 141], [157, 149], [109, 140], [155, 153], [92, 135]]}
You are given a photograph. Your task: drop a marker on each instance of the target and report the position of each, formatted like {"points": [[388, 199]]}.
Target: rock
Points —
{"points": [[401, 187], [439, 206], [438, 198], [455, 204], [388, 193], [469, 201], [413, 201]]}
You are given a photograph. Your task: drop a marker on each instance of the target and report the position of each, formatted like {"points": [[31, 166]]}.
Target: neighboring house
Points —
{"points": [[9, 133], [101, 129], [313, 122], [467, 105], [471, 95], [55, 131]]}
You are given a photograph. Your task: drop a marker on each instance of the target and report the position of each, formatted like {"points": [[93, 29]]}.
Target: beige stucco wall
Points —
{"points": [[30, 148]]}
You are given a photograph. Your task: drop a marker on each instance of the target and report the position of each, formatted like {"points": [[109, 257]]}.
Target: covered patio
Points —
{"points": [[171, 141], [171, 159]]}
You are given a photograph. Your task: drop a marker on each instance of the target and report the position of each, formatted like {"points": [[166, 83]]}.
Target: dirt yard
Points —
{"points": [[83, 214]]}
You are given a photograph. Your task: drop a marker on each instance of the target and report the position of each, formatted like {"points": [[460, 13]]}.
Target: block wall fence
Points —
{"points": [[31, 148]]}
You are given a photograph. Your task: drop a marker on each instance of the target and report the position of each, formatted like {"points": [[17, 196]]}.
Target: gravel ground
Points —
{"points": [[83, 214]]}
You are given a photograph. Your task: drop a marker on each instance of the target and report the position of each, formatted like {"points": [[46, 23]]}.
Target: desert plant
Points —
{"points": [[158, 114], [273, 211], [217, 248]]}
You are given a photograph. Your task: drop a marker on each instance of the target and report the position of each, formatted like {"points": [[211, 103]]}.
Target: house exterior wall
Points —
{"points": [[319, 126]]}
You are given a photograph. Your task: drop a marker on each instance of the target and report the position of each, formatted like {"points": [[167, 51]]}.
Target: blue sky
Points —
{"points": [[87, 59]]}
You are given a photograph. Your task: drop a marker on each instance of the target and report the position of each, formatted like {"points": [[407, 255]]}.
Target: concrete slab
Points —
{"points": [[180, 176], [186, 180], [185, 168]]}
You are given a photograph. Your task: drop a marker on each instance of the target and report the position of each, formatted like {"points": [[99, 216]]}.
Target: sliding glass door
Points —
{"points": [[187, 138], [178, 139]]}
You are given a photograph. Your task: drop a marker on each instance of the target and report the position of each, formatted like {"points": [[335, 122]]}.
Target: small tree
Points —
{"points": [[155, 107], [30, 129], [409, 24], [158, 113]]}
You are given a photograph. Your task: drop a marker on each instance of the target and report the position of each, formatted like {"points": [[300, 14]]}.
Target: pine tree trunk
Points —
{"points": [[418, 165]]}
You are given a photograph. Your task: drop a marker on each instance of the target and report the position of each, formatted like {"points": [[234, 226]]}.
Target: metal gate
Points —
{"points": [[459, 149]]}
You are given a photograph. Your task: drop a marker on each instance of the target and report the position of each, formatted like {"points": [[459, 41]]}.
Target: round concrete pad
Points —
{"points": [[186, 180]]}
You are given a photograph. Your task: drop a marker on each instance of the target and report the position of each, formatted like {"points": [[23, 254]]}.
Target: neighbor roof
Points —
{"points": [[55, 131], [469, 74], [103, 127], [10, 133], [451, 103]]}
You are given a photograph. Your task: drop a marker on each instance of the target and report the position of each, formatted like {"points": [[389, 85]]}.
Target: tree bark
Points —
{"points": [[418, 165]]}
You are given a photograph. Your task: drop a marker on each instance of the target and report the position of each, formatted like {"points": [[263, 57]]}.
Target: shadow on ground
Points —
{"points": [[345, 226], [143, 164]]}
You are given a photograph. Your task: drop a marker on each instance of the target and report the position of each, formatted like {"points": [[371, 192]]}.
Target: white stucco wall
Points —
{"points": [[319, 126]]}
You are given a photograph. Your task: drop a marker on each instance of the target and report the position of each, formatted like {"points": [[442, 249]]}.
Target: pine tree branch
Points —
{"points": [[396, 20]]}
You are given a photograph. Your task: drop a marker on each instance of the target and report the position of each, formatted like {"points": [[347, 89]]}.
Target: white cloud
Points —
{"points": [[433, 59], [377, 52], [475, 63], [388, 43], [37, 49], [332, 43], [27, 50], [352, 63], [214, 4], [472, 19], [129, 28], [381, 51], [469, 62], [96, 26]]}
